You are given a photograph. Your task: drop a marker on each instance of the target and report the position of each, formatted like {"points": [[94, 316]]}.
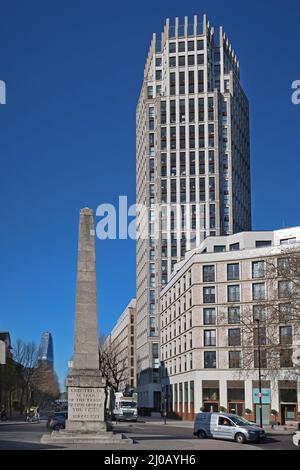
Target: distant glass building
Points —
{"points": [[46, 349]]}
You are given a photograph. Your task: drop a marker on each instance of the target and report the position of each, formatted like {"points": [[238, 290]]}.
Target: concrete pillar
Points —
{"points": [[223, 393], [198, 400], [248, 395], [275, 395]]}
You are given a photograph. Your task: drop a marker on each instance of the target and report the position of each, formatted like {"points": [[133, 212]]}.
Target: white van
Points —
{"points": [[226, 426]]}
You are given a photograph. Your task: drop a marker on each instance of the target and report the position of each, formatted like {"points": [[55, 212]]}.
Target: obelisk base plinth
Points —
{"points": [[86, 421], [86, 398]]}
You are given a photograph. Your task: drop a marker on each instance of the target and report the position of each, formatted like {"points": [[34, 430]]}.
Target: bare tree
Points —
{"points": [[26, 354], [274, 323], [46, 386], [113, 368]]}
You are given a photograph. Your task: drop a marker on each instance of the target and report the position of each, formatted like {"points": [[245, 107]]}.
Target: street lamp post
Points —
{"points": [[165, 398], [259, 374]]}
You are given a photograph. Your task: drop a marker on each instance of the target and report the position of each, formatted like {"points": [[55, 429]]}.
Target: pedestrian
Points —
{"points": [[37, 414]]}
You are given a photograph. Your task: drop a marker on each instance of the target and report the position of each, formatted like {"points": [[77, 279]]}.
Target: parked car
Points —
{"points": [[57, 420], [226, 426], [296, 438]]}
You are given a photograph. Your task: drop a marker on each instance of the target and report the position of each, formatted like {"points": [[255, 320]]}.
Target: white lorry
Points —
{"points": [[125, 406]]}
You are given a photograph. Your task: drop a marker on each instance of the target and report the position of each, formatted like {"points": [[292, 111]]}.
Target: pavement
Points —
{"points": [[149, 435]]}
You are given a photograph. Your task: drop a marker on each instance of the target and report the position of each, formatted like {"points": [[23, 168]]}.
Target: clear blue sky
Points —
{"points": [[73, 71]]}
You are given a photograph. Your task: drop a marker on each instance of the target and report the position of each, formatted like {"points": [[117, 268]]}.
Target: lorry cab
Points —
{"points": [[125, 407], [226, 426]]}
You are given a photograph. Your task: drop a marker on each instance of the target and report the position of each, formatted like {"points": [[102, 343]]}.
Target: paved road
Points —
{"points": [[147, 436], [140, 431]]}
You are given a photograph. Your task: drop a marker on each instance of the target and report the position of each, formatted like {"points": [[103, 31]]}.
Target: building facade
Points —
{"points": [[46, 353], [192, 167], [121, 341], [5, 347], [220, 307]]}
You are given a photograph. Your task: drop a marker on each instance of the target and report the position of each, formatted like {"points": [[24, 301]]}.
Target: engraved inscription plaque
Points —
{"points": [[85, 404]]}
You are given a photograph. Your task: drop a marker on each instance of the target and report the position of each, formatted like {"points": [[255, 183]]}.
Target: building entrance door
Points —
{"points": [[265, 414], [157, 402], [288, 413], [236, 408], [211, 407]]}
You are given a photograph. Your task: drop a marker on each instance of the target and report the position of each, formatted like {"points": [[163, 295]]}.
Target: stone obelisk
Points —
{"points": [[85, 384], [86, 422]]}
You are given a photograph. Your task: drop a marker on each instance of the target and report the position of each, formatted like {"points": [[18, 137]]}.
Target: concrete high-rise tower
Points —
{"points": [[192, 167]]}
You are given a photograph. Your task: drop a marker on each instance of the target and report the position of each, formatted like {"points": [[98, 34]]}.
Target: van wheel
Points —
{"points": [[240, 438], [201, 434]]}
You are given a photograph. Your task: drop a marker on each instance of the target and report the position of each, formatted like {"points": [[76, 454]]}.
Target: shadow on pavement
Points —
{"points": [[21, 445]]}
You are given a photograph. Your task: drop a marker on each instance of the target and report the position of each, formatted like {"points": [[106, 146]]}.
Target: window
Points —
{"points": [[234, 359], [210, 338], [200, 45], [202, 189], [173, 137], [233, 272], [209, 316], [172, 61], [182, 137], [261, 338], [200, 59], [182, 190], [172, 47], [209, 273], [191, 45], [163, 138], [285, 313], [150, 92], [192, 110], [286, 334], [259, 291], [181, 46], [181, 83], [172, 83], [172, 112], [259, 312], [209, 296], [233, 293], [234, 337], [234, 315], [200, 81], [219, 248], [258, 269], [211, 161], [234, 247], [283, 267], [288, 241], [191, 81], [263, 243], [191, 60], [201, 136], [286, 358], [284, 289], [163, 112], [263, 359], [182, 164], [181, 61], [192, 136], [210, 361], [158, 74], [192, 165]]}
